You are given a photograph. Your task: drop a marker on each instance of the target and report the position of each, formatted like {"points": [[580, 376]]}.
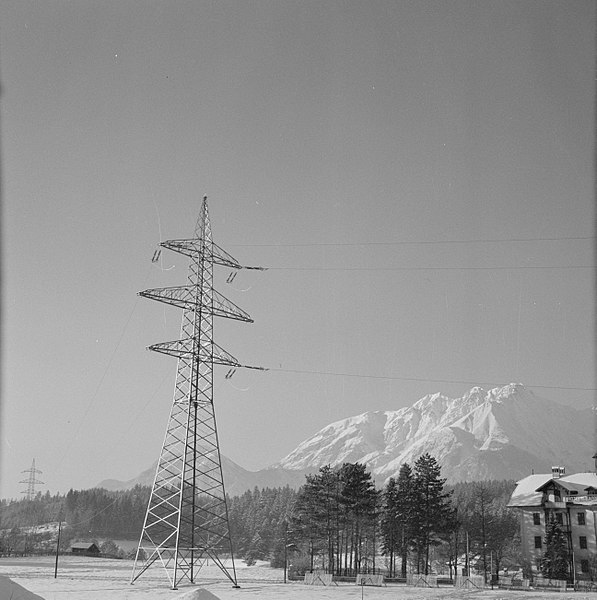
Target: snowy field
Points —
{"points": [[104, 579]]}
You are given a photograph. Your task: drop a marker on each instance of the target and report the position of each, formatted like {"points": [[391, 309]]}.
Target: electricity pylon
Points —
{"points": [[187, 517], [31, 481]]}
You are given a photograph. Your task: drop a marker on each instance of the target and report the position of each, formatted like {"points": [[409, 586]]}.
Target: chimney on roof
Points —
{"points": [[557, 472], [595, 457]]}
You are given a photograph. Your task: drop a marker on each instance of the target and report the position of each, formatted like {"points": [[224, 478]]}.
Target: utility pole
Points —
{"points": [[57, 547], [285, 549], [187, 516]]}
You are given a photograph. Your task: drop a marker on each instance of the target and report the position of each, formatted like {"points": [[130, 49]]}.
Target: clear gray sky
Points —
{"points": [[417, 175]]}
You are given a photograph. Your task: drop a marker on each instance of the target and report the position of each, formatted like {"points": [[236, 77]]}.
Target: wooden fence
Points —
{"points": [[469, 582], [318, 578], [418, 580], [369, 579]]}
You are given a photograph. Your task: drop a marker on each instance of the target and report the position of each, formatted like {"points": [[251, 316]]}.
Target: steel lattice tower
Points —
{"points": [[187, 517], [31, 481]]}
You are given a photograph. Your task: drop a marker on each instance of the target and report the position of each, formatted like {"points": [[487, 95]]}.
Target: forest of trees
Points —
{"points": [[86, 515], [337, 521], [345, 525]]}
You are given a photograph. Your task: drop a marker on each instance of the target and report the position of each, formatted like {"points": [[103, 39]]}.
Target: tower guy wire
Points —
{"points": [[31, 481], [186, 522]]}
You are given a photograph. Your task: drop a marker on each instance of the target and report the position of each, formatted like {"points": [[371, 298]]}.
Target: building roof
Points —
{"points": [[84, 545], [525, 493], [568, 487], [585, 479], [528, 491]]}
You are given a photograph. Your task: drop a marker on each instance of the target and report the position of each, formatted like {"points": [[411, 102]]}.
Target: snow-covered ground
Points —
{"points": [[103, 579]]}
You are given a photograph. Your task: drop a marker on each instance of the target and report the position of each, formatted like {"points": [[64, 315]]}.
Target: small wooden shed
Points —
{"points": [[85, 549]]}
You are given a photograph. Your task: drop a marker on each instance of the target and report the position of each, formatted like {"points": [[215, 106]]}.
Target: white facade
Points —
{"points": [[569, 499]]}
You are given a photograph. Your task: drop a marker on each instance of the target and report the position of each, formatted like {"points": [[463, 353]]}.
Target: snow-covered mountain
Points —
{"points": [[503, 433]]}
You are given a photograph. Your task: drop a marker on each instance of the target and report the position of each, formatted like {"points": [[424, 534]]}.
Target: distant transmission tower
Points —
{"points": [[31, 481], [187, 517]]}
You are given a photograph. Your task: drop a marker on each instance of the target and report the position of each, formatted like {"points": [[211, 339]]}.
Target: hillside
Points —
{"points": [[237, 479]]}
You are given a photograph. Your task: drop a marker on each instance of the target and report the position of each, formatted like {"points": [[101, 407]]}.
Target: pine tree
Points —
{"points": [[406, 511], [399, 516], [482, 501], [358, 498], [255, 550], [434, 511], [390, 524], [309, 519], [554, 562]]}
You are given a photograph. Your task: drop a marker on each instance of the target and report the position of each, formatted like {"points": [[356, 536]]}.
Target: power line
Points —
{"points": [[99, 512], [95, 394], [421, 242], [499, 268], [93, 397], [425, 379]]}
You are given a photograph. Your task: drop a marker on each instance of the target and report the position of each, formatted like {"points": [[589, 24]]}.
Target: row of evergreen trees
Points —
{"points": [[418, 514], [343, 522], [336, 516]]}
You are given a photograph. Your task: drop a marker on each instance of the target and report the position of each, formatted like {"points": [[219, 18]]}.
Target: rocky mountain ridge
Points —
{"points": [[502, 433]]}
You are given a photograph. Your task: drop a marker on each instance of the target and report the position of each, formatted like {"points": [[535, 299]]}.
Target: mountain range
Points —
{"points": [[501, 433], [237, 480]]}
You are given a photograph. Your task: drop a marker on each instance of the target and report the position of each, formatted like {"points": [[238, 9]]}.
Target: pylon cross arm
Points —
{"points": [[185, 296], [197, 246], [210, 250], [185, 349]]}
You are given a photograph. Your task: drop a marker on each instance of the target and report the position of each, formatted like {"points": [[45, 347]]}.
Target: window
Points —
{"points": [[582, 542], [537, 519], [559, 518], [584, 565], [581, 518], [537, 541]]}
